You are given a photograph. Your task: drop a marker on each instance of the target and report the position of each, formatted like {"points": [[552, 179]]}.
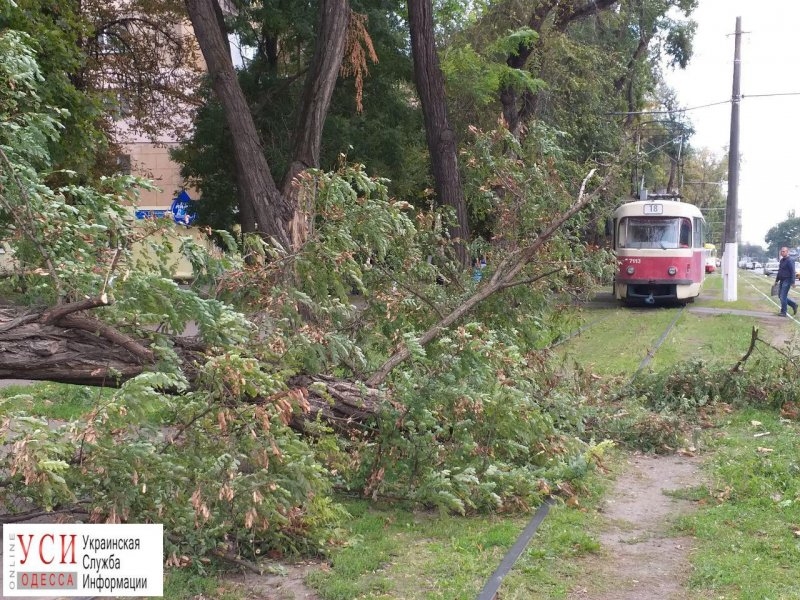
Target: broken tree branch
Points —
{"points": [[59, 311], [753, 340], [503, 277]]}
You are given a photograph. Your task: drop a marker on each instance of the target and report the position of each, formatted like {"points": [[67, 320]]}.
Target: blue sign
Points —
{"points": [[151, 214], [182, 209]]}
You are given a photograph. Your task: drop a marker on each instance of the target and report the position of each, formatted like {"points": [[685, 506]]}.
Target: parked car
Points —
{"points": [[771, 268]]}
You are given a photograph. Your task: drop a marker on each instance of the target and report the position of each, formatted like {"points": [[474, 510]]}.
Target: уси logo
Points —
{"points": [[78, 560]]}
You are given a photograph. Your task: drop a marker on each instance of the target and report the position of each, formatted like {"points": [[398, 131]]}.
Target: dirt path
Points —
{"points": [[639, 559], [287, 585]]}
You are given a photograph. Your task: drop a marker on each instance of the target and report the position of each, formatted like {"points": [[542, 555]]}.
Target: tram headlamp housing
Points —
{"points": [[672, 270], [630, 270]]}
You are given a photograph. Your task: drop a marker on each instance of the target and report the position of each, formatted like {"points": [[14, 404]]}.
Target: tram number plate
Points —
{"points": [[653, 209]]}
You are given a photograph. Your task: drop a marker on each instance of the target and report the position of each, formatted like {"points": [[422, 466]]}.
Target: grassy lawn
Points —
{"points": [[616, 341], [716, 338], [752, 292], [627, 335], [416, 556], [748, 526], [51, 400]]}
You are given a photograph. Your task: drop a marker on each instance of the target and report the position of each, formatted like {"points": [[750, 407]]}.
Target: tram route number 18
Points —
{"points": [[653, 209]]}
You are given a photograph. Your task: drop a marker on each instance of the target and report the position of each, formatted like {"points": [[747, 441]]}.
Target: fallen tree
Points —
{"points": [[201, 433], [62, 344]]}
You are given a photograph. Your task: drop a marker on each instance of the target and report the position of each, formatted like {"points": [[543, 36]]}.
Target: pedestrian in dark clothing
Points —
{"points": [[786, 278]]}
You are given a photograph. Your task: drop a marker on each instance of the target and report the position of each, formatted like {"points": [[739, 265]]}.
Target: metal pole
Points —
{"points": [[731, 249]]}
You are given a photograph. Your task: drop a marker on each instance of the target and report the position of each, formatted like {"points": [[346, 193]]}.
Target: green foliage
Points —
{"points": [[687, 387], [475, 77], [472, 422], [660, 407], [785, 233], [50, 400], [206, 470], [55, 30], [216, 462], [470, 432], [478, 420]]}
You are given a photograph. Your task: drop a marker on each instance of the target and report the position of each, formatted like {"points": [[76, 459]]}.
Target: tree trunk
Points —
{"points": [[440, 136], [519, 108], [321, 80], [67, 349], [263, 208], [62, 346]]}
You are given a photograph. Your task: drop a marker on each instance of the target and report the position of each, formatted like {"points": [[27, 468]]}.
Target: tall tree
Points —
{"points": [[264, 208], [626, 31], [334, 16], [261, 204], [386, 133], [57, 34], [785, 233], [519, 105], [442, 143]]}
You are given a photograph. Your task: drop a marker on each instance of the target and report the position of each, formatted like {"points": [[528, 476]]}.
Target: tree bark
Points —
{"points": [[263, 208], [440, 136], [64, 346], [68, 349], [320, 83]]}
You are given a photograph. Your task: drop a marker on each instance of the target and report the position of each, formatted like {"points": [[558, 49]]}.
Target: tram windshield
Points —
{"points": [[655, 232]]}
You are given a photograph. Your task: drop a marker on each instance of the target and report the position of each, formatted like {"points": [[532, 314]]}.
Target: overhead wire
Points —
{"points": [[667, 112], [682, 110]]}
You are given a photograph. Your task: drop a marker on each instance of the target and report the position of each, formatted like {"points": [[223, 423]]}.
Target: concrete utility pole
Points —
{"points": [[730, 254]]}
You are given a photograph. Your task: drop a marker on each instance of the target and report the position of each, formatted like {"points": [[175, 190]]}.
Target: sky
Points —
{"points": [[769, 123]]}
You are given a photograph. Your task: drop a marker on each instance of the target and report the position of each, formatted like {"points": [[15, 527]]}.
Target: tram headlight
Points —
{"points": [[672, 270], [630, 270]]}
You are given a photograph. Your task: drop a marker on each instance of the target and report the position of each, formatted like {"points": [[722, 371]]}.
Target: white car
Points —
{"points": [[771, 268]]}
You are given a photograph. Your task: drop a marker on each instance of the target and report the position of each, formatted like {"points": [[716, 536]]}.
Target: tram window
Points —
{"points": [[686, 233], [699, 233], [664, 233]]}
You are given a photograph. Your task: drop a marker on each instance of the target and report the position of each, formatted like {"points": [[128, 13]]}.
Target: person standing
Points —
{"points": [[785, 278]]}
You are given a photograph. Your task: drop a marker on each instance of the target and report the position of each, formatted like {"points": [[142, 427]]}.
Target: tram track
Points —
{"points": [[492, 586], [575, 333], [651, 353], [749, 278]]}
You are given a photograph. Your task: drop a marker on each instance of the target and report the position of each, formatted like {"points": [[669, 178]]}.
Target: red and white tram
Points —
{"points": [[660, 251]]}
